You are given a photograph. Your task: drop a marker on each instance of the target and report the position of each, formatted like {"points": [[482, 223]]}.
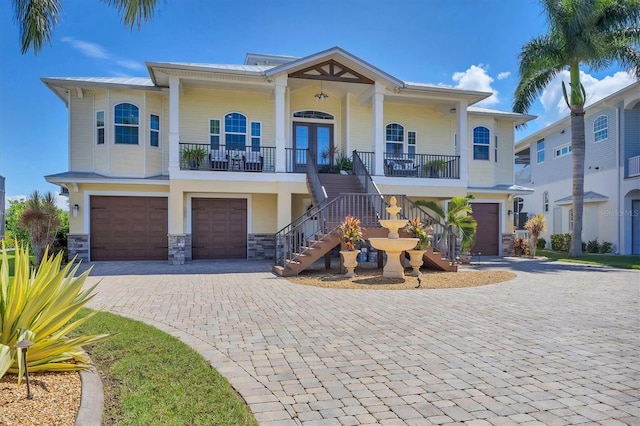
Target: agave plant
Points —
{"points": [[38, 304]]}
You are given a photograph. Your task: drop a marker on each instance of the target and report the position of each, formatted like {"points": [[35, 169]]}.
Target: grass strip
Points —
{"points": [[151, 377], [615, 261]]}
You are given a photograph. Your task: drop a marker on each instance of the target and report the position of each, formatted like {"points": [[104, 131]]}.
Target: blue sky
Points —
{"points": [[472, 44]]}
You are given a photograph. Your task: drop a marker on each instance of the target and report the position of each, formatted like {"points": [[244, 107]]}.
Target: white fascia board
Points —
{"points": [[107, 181], [152, 67], [327, 54]]}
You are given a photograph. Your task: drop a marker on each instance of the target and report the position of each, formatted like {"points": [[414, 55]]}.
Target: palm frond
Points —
{"points": [[36, 19], [134, 12]]}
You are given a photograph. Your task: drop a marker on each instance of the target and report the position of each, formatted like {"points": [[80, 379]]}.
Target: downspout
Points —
{"points": [[620, 178]]}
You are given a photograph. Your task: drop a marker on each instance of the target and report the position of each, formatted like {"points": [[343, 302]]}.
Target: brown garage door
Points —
{"points": [[128, 228], [219, 228], [487, 236]]}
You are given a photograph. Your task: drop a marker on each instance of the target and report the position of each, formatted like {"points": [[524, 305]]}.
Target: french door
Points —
{"points": [[317, 138]]}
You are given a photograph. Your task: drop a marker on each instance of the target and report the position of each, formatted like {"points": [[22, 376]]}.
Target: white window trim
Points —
{"points": [[560, 148], [159, 131], [408, 144], [219, 134], [139, 125], [473, 144], [103, 127], [250, 144], [223, 129], [544, 148], [404, 137], [600, 130]]}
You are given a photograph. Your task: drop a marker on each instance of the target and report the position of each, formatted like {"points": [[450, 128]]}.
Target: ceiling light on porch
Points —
{"points": [[321, 97]]}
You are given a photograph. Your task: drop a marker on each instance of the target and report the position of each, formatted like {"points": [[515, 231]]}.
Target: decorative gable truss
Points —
{"points": [[331, 70]]}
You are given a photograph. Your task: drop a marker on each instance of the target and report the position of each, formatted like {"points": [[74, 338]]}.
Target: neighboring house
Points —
{"points": [[612, 173], [205, 161]]}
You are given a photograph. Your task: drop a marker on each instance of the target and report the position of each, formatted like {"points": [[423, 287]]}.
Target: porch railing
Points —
{"points": [[199, 156], [634, 166], [422, 165]]}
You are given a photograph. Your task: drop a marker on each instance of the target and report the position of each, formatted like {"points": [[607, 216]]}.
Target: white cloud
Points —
{"points": [[95, 51], [503, 75], [91, 50], [553, 102], [477, 78]]}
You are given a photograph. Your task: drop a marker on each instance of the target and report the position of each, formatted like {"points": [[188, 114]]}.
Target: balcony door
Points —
{"points": [[315, 137]]}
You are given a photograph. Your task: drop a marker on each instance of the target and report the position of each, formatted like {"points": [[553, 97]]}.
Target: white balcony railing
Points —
{"points": [[634, 166]]}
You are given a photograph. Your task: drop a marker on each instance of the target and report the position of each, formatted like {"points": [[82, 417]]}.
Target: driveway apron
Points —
{"points": [[557, 345]]}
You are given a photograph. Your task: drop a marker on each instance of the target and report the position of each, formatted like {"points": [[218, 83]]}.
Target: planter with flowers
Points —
{"points": [[350, 233], [416, 229]]}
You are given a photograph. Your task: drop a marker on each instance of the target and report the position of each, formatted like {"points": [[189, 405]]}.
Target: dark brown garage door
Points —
{"points": [[219, 228], [128, 228], [487, 236]]}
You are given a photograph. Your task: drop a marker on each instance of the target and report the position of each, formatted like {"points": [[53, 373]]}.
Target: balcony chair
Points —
{"points": [[219, 159], [252, 161]]}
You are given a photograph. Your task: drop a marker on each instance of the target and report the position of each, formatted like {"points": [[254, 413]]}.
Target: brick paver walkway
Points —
{"points": [[558, 345]]}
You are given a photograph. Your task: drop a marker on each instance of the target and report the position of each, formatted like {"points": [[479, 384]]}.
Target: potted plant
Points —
{"points": [[193, 157], [433, 168], [344, 164], [416, 229], [350, 233]]}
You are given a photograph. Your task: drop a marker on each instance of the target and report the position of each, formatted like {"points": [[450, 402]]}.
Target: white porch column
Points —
{"points": [[280, 120], [462, 132], [174, 124], [378, 129]]}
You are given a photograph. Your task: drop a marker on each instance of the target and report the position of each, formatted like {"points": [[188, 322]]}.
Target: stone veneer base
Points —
{"points": [[78, 246]]}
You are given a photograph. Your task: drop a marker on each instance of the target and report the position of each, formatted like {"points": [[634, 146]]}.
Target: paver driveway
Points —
{"points": [[557, 345]]}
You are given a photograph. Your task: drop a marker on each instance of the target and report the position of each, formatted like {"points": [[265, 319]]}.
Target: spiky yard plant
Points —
{"points": [[38, 304], [535, 226]]}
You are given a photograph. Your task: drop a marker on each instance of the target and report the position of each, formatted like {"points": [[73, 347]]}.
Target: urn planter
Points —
{"points": [[349, 261], [415, 260]]}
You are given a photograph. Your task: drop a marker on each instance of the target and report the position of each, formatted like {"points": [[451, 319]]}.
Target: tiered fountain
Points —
{"points": [[393, 244]]}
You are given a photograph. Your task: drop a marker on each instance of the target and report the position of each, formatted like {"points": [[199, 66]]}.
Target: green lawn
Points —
{"points": [[151, 377], [616, 261]]}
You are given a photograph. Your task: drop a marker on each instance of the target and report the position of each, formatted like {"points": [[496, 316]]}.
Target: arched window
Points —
{"points": [[395, 139], [481, 143], [126, 121], [601, 128], [545, 201], [319, 115], [235, 131]]}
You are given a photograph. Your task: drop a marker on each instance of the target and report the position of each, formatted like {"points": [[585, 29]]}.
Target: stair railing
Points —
{"points": [[313, 180], [369, 186]]}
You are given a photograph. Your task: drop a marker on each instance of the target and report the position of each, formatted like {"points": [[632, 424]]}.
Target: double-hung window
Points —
{"points": [[100, 127], [545, 201], [256, 135], [395, 140], [601, 128], [214, 133], [540, 151], [126, 122], [154, 130], [481, 142], [411, 143], [235, 131]]}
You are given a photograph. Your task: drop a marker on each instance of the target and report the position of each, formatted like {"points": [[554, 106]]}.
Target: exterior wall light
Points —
{"points": [[76, 208]]}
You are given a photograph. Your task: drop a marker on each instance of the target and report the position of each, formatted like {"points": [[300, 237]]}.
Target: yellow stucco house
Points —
{"points": [[207, 161]]}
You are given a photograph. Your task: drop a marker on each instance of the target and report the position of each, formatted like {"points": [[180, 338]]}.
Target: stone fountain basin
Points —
{"points": [[393, 224], [393, 245]]}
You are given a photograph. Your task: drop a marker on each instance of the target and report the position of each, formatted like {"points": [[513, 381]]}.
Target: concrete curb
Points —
{"points": [[92, 399]]}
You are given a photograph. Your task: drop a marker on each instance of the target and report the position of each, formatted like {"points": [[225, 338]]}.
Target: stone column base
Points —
{"points": [[507, 244], [261, 246], [177, 249], [78, 246]]}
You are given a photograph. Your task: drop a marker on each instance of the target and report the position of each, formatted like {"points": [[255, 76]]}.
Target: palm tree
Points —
{"points": [[596, 33], [456, 221], [38, 18], [41, 219]]}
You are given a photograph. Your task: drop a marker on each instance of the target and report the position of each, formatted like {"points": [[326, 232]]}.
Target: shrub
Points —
{"points": [[521, 247], [37, 304], [560, 242], [593, 246], [606, 247], [542, 243], [351, 232]]}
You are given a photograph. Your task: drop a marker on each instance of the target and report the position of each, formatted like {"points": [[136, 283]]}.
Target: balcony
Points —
{"points": [[225, 158], [194, 156]]}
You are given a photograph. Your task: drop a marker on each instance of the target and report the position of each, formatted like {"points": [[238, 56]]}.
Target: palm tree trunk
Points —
{"points": [[578, 148]]}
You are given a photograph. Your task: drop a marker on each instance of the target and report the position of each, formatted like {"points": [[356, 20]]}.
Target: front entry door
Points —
{"points": [[315, 137]]}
